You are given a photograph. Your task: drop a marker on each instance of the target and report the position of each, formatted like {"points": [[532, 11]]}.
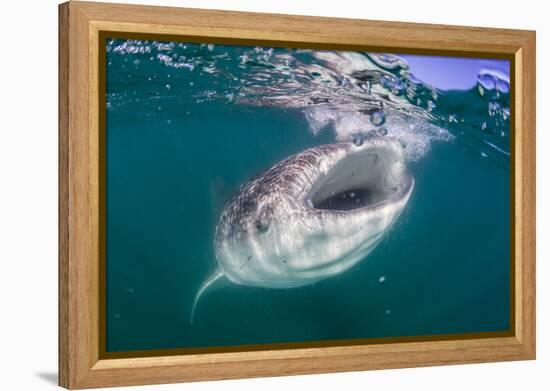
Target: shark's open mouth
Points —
{"points": [[363, 178]]}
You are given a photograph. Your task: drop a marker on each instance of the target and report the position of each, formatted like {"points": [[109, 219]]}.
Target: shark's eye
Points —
{"points": [[261, 225]]}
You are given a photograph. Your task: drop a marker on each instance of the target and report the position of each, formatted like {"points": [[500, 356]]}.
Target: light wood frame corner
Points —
{"points": [[80, 27]]}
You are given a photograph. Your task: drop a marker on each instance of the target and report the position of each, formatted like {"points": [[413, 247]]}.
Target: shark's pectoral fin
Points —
{"points": [[215, 280]]}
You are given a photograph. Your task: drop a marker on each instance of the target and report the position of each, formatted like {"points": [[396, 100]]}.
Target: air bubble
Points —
{"points": [[377, 118], [506, 113], [382, 279], [491, 83], [387, 81], [358, 140], [503, 86], [485, 82], [398, 87], [382, 131], [494, 109]]}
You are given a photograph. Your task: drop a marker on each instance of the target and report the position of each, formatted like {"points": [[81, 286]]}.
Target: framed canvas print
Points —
{"points": [[251, 195]]}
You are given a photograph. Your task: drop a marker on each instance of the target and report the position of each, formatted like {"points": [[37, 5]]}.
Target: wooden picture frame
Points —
{"points": [[81, 24]]}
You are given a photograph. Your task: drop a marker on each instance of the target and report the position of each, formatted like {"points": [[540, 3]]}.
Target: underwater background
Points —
{"points": [[187, 124]]}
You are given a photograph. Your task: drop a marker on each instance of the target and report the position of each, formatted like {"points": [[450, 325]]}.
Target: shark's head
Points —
{"points": [[313, 215]]}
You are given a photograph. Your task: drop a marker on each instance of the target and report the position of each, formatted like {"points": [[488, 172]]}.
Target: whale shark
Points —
{"points": [[311, 216]]}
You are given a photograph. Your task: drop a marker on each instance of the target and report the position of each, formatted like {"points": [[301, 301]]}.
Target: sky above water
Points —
{"points": [[452, 73]]}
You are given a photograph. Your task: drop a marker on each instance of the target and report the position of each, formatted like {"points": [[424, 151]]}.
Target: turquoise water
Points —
{"points": [[187, 124]]}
